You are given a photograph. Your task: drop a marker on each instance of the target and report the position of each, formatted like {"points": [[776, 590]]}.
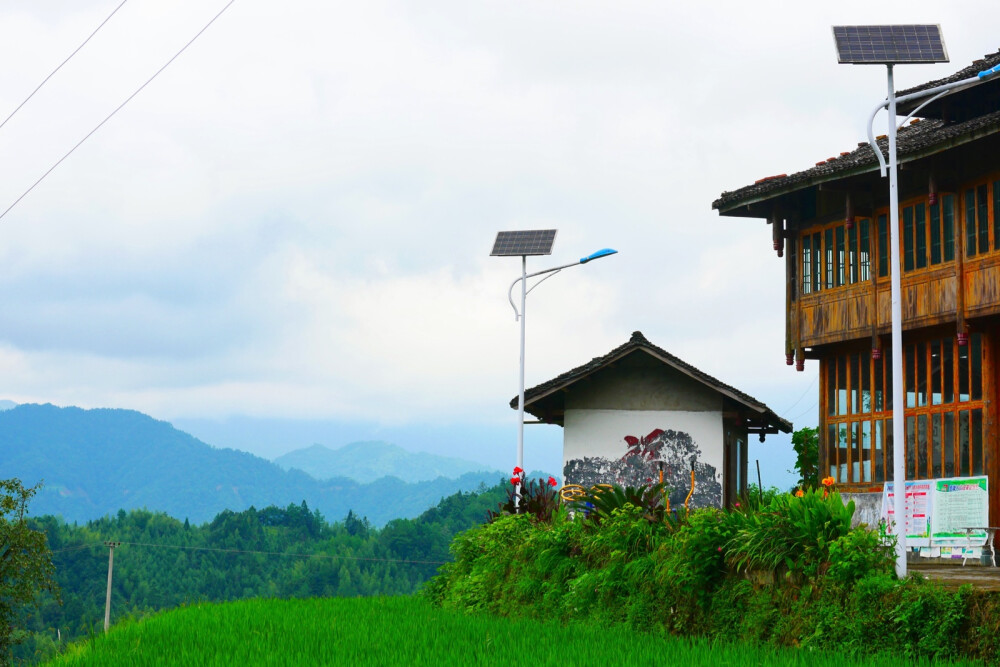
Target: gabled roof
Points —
{"points": [[968, 115], [765, 418]]}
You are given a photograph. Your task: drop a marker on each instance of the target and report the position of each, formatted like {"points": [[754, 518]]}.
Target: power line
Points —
{"points": [[789, 408], [117, 109], [251, 551], [806, 411], [79, 547], [281, 553], [51, 74]]}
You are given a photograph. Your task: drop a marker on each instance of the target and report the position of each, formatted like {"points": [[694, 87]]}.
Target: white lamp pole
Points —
{"points": [[898, 396], [519, 315], [898, 406]]}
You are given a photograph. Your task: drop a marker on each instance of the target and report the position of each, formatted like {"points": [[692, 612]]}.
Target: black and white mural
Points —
{"points": [[636, 459]]}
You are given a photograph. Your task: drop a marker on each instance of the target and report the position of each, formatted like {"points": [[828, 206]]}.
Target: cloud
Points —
{"points": [[294, 219]]}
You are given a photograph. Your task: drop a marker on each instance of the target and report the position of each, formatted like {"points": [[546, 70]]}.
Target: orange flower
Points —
{"points": [[828, 481], [799, 493]]}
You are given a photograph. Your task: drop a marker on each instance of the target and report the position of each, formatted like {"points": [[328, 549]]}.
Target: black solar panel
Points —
{"points": [[884, 44], [527, 242]]}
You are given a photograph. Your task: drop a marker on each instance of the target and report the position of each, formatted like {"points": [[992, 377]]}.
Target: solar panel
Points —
{"points": [[526, 242], [889, 44]]}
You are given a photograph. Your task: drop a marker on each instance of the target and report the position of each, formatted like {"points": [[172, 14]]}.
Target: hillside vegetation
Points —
{"points": [[407, 631], [273, 552], [95, 462], [791, 572]]}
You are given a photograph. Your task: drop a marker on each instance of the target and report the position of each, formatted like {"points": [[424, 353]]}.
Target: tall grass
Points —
{"points": [[406, 631]]}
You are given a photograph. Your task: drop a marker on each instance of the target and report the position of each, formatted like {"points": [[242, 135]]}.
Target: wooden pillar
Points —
{"points": [[778, 225], [959, 231]]}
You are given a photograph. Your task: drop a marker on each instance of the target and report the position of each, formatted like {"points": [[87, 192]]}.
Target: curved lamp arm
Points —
{"points": [[605, 252], [933, 94]]}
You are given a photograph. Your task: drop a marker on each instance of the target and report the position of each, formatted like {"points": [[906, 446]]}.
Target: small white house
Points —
{"points": [[639, 409]]}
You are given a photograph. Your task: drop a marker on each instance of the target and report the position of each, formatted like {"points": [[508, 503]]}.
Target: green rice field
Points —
{"points": [[405, 631]]}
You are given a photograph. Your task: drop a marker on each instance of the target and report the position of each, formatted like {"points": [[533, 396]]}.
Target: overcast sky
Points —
{"points": [[293, 221]]}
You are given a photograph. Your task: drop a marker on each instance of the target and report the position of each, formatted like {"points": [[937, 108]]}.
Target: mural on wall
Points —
{"points": [[640, 464]]}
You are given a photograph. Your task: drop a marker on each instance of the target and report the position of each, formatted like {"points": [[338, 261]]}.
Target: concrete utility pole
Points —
{"points": [[111, 564]]}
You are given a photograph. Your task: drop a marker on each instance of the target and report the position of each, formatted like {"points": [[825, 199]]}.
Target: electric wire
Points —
{"points": [[117, 109], [789, 408], [281, 553], [78, 547], [252, 551], [68, 58], [806, 411]]}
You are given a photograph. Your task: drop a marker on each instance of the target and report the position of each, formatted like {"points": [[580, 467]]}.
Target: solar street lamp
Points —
{"points": [[889, 45], [524, 243]]}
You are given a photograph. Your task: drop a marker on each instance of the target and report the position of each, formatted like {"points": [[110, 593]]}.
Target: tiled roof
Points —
{"points": [[913, 141], [977, 66], [928, 136], [639, 342]]}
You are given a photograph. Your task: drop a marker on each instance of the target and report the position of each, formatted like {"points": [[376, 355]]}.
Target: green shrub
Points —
{"points": [[599, 503], [858, 554], [537, 497], [791, 535], [830, 586]]}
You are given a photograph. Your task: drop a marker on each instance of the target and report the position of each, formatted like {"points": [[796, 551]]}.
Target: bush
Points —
{"points": [[832, 587], [537, 498], [791, 536]]}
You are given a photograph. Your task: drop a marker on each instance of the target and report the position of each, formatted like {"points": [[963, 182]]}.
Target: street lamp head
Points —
{"points": [[597, 255]]}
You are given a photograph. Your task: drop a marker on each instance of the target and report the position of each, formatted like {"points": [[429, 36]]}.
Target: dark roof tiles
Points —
{"points": [[639, 342], [911, 140], [919, 138]]}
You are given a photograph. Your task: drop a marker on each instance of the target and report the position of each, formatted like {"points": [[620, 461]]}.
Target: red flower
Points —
{"points": [[518, 470], [515, 480], [552, 481]]}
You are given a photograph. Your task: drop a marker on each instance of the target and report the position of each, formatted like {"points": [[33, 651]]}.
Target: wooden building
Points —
{"points": [[830, 225], [637, 408]]}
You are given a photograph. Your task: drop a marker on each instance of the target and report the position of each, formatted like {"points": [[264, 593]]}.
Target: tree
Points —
{"points": [[805, 442], [25, 564]]}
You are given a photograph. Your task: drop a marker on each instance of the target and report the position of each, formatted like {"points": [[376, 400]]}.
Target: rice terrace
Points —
{"points": [[409, 631]]}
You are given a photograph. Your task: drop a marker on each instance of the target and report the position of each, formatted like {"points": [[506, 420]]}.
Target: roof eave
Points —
{"points": [[755, 406], [729, 210]]}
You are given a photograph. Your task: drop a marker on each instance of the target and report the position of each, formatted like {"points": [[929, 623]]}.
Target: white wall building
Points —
{"points": [[639, 408]]}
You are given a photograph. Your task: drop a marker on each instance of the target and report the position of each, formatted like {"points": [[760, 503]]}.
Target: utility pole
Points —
{"points": [[111, 564]]}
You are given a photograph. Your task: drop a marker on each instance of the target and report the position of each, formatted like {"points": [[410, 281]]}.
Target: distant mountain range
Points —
{"points": [[368, 461], [95, 462]]}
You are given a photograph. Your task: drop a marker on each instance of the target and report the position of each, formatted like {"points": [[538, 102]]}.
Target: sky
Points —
{"points": [[284, 238]]}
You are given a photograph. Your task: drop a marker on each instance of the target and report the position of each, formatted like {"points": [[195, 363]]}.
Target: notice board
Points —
{"points": [[939, 510]]}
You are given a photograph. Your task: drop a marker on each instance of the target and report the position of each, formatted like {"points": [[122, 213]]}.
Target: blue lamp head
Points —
{"points": [[597, 255]]}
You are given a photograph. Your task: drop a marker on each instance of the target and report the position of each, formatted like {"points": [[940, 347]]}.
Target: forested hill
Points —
{"points": [[95, 462], [368, 461], [290, 551]]}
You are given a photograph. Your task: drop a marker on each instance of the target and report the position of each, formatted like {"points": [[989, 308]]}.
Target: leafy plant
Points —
{"points": [[535, 497], [25, 564], [601, 501], [860, 553], [805, 442], [792, 535]]}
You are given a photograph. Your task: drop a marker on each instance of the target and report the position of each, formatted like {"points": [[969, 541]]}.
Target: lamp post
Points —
{"points": [[889, 45], [537, 242]]}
